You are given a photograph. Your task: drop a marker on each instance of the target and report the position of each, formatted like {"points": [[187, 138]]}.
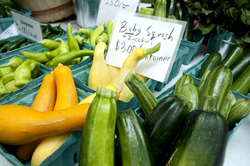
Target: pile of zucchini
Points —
{"points": [[188, 127], [238, 61]]}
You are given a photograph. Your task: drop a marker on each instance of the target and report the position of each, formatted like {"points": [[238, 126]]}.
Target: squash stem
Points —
{"points": [[147, 51]]}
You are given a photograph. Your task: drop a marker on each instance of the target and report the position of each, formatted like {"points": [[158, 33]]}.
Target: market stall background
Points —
{"points": [[238, 146]]}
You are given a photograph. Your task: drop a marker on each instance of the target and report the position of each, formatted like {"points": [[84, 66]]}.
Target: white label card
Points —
{"points": [[133, 31], [109, 8], [27, 26], [11, 31]]}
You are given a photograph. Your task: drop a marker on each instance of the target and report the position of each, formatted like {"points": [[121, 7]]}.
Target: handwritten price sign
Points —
{"points": [[109, 8], [27, 26], [134, 31]]}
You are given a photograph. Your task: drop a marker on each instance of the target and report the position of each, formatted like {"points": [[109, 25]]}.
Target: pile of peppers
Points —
{"points": [[49, 32], [5, 6], [6, 45], [17, 73], [68, 52], [97, 35]]}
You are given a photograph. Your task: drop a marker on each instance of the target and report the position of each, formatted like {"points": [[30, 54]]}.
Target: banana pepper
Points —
{"points": [[13, 63], [68, 56], [27, 71]]}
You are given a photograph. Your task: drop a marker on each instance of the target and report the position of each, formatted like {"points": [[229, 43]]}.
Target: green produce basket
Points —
{"points": [[42, 71], [5, 23], [221, 42], [68, 152], [82, 73], [194, 47], [194, 70], [16, 51], [180, 57]]}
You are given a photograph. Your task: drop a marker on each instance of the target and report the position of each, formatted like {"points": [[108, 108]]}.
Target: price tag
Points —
{"points": [[109, 8], [133, 31], [11, 31], [27, 26]]}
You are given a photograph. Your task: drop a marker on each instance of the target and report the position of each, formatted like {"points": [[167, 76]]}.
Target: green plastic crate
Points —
{"points": [[194, 47], [68, 152], [5, 23]]}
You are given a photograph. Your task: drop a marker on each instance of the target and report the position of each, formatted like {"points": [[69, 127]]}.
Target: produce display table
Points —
{"points": [[237, 148]]}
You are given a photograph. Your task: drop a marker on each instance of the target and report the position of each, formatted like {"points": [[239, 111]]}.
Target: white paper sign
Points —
{"points": [[134, 30], [27, 26], [11, 31], [109, 8]]}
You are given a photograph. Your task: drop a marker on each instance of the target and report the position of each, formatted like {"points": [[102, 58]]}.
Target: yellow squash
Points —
{"points": [[99, 75], [22, 124], [128, 65], [66, 89], [66, 97], [43, 102]]}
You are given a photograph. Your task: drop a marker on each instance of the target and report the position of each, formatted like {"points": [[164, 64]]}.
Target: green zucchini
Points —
{"points": [[240, 65], [191, 92], [203, 78], [227, 105], [242, 83], [132, 139], [185, 100], [160, 8], [188, 31], [211, 62], [186, 78], [143, 94], [234, 53], [217, 83], [239, 110], [171, 8], [98, 135], [209, 103], [202, 141], [163, 125]]}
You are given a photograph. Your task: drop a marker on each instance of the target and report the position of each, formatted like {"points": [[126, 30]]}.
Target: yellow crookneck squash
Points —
{"points": [[128, 65], [43, 102], [66, 97], [22, 124], [99, 75], [114, 70], [66, 89]]}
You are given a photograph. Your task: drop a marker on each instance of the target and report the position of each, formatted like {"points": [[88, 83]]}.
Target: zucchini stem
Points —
{"points": [[147, 51]]}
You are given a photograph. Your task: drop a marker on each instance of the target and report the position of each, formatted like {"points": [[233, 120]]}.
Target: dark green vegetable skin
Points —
{"points": [[240, 65], [171, 7], [217, 84], [232, 56], [210, 63], [202, 141], [160, 8], [242, 83], [163, 125], [133, 141]]}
